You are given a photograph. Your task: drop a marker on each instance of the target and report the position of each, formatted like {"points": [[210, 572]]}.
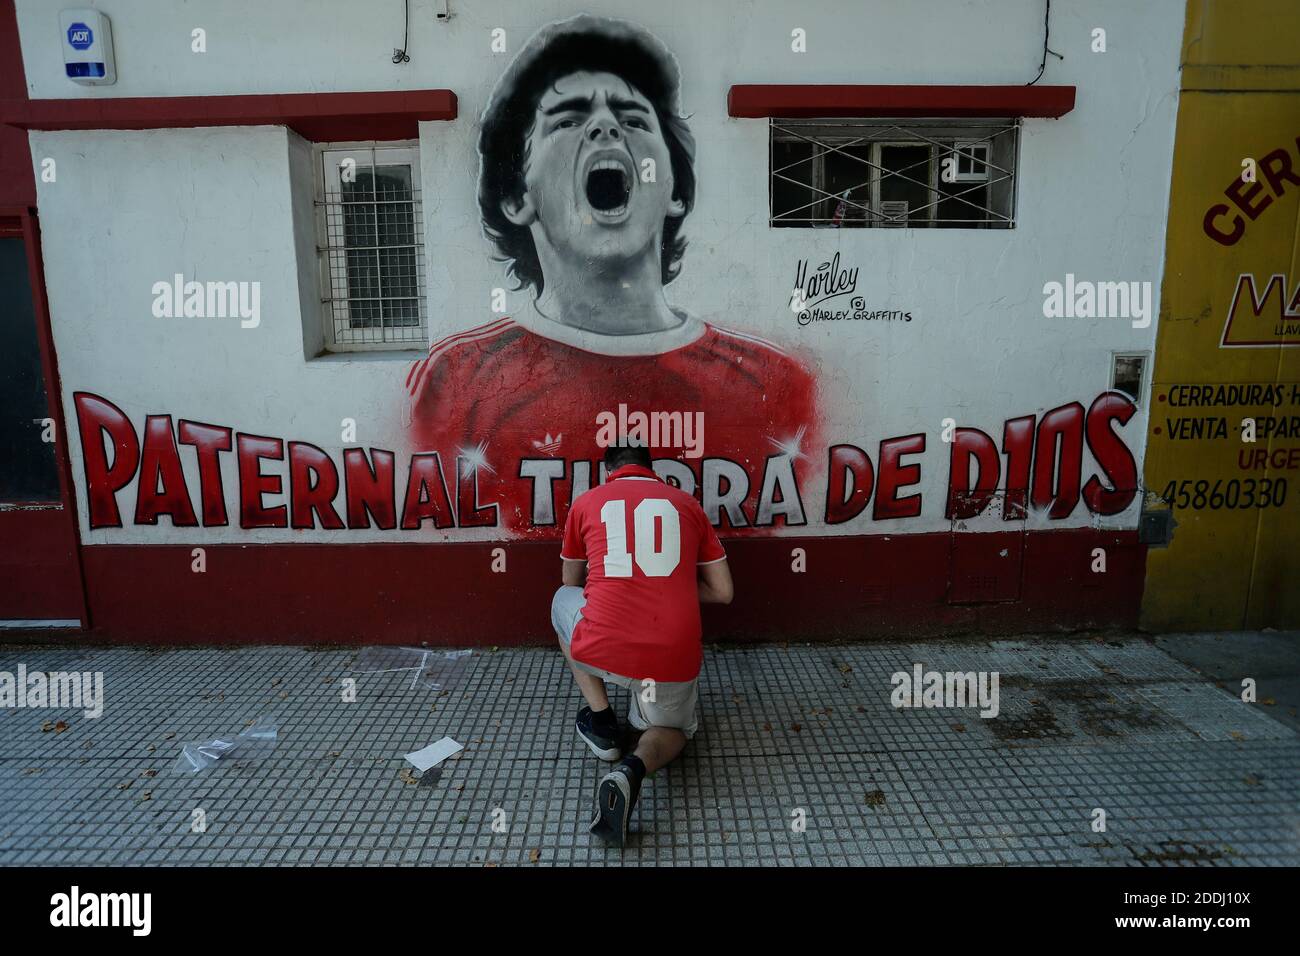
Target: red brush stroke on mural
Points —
{"points": [[501, 394]]}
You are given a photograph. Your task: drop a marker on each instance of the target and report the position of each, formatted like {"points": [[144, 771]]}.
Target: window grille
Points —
{"points": [[372, 248], [921, 174]]}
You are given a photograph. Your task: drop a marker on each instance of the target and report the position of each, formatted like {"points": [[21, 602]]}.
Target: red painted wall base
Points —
{"points": [[38, 566], [881, 586]]}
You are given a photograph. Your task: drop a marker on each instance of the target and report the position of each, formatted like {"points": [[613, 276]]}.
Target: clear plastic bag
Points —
{"points": [[385, 657], [444, 670], [431, 669], [252, 742]]}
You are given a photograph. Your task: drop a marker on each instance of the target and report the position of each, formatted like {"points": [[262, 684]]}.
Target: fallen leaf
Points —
{"points": [[60, 727], [149, 773], [875, 798], [407, 777], [960, 728], [125, 786], [861, 709], [845, 669], [147, 795], [796, 727], [534, 856], [1236, 736], [47, 726], [1268, 702], [767, 725]]}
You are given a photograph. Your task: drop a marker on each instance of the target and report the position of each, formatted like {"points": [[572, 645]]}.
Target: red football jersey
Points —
{"points": [[507, 393], [642, 540]]}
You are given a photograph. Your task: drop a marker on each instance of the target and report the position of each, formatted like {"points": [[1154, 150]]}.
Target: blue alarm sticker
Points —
{"points": [[80, 36]]}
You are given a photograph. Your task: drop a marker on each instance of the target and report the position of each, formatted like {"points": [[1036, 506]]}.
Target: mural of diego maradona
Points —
{"points": [[586, 107]]}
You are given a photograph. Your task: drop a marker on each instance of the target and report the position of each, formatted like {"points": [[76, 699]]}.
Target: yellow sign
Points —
{"points": [[1256, 320], [1223, 443]]}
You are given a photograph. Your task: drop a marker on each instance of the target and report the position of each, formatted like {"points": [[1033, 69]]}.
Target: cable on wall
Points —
{"points": [[1047, 32], [401, 56]]}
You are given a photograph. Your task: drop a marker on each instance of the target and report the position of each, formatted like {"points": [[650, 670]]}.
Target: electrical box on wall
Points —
{"points": [[87, 40]]}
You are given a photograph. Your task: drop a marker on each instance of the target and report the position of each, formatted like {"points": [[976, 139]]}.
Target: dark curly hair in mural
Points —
{"points": [[508, 121]]}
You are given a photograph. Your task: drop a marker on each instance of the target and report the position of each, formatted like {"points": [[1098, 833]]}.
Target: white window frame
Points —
{"points": [[877, 177], [333, 268], [965, 150]]}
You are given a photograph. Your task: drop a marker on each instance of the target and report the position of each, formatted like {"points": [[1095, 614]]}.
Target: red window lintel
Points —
{"points": [[813, 100]]}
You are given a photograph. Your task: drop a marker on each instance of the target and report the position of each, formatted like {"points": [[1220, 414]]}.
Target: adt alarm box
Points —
{"points": [[87, 47]]}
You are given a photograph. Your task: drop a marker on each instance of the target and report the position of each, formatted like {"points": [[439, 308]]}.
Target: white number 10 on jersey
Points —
{"points": [[653, 564]]}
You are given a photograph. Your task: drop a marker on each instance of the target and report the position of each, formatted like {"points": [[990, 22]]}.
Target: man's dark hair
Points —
{"points": [[598, 46], [616, 456]]}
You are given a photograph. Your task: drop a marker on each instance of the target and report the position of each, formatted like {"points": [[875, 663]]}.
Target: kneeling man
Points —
{"points": [[639, 558]]}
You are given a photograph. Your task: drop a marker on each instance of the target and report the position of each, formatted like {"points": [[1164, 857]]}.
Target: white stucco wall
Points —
{"points": [[131, 208]]}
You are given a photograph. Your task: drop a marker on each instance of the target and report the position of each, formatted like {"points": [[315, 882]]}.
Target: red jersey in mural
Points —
{"points": [[643, 541], [506, 397]]}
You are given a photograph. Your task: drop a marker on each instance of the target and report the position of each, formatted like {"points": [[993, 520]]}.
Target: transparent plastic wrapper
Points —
{"points": [[383, 658], [444, 670], [253, 742], [431, 669]]}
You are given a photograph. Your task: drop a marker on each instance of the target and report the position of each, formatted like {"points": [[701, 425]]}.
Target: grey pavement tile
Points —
{"points": [[801, 759]]}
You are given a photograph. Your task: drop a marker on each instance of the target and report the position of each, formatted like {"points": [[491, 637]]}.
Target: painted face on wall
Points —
{"points": [[584, 193]]}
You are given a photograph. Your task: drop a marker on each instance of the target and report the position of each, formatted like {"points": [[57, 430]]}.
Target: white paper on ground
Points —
{"points": [[434, 754]]}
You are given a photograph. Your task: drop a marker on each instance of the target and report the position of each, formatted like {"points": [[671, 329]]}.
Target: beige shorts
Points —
{"points": [[653, 703]]}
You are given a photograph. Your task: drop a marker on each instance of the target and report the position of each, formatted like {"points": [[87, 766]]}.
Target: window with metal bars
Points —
{"points": [[920, 174], [372, 248]]}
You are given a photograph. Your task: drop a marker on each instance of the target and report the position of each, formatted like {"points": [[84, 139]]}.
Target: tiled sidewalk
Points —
{"points": [[1186, 772]]}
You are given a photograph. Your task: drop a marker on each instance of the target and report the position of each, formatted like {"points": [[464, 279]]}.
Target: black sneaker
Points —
{"points": [[615, 798], [600, 736]]}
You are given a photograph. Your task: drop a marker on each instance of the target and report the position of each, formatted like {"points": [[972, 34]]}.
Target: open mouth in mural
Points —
{"points": [[608, 185]]}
